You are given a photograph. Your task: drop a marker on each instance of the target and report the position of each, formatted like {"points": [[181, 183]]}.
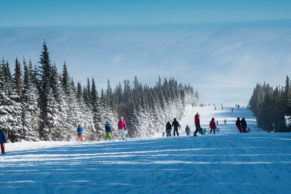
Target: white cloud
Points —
{"points": [[220, 60]]}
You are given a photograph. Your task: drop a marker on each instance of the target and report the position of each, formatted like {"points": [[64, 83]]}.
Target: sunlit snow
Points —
{"points": [[228, 162]]}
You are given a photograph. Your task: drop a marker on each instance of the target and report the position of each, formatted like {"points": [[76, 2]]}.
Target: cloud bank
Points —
{"points": [[223, 61]]}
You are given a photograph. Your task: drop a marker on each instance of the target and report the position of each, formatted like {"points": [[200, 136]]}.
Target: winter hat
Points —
{"points": [[121, 117]]}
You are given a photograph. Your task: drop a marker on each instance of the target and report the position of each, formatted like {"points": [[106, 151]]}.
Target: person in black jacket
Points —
{"points": [[238, 125], [244, 125], [176, 125], [168, 129]]}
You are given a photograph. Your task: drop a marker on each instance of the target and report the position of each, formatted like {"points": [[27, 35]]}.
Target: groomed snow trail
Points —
{"points": [[225, 163]]}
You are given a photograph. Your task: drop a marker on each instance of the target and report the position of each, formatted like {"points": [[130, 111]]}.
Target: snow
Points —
{"points": [[208, 112], [228, 162]]}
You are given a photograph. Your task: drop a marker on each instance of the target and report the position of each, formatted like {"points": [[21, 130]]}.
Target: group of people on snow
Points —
{"points": [[240, 124], [122, 131], [176, 126]]}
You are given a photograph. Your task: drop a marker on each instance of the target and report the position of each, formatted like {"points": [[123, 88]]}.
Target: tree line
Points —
{"points": [[39, 103], [270, 105]]}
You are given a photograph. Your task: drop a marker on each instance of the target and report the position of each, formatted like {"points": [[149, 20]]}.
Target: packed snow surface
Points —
{"points": [[228, 162]]}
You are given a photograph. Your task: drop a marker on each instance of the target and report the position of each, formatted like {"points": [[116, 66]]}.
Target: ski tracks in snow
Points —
{"points": [[225, 163]]}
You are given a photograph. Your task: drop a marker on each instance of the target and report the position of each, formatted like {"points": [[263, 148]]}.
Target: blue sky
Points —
{"points": [[222, 48], [112, 12]]}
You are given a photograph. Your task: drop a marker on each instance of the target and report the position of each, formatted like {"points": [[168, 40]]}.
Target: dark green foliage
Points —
{"points": [[65, 79], [270, 105], [79, 91], [45, 88], [18, 77], [94, 95], [6, 77], [54, 81], [26, 78]]}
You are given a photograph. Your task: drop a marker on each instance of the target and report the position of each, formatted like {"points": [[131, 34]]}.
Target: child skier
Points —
{"points": [[187, 130], [212, 126], [121, 128], [108, 131], [2, 140], [80, 133], [168, 129]]}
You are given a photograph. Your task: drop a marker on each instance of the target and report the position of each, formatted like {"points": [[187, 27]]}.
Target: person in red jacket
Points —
{"points": [[212, 126], [197, 125]]}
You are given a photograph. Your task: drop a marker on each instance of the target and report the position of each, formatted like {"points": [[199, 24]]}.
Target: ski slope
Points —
{"points": [[208, 112], [229, 162]]}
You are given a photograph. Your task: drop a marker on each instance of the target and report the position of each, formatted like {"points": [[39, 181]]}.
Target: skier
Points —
{"points": [[80, 133], [225, 121], [238, 125], [212, 126], [197, 125], [168, 129], [108, 130], [131, 135], [176, 125], [187, 130], [273, 128], [232, 110], [244, 125], [121, 129], [2, 140]]}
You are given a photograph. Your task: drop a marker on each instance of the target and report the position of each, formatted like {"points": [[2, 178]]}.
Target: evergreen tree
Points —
{"points": [[94, 95], [65, 78], [30, 111], [44, 105], [45, 91], [79, 91], [270, 106], [18, 77]]}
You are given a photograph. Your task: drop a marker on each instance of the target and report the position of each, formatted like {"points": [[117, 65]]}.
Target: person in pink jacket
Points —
{"points": [[121, 128]]}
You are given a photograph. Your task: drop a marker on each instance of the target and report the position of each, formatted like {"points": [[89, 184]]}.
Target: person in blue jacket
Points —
{"points": [[2, 140], [80, 133], [108, 130]]}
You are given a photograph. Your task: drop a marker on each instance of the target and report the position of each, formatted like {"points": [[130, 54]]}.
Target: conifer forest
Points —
{"points": [[39, 103]]}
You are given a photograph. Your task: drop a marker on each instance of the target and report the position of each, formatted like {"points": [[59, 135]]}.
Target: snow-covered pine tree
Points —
{"points": [[46, 106], [10, 103], [30, 111], [58, 108], [47, 103], [95, 103]]}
